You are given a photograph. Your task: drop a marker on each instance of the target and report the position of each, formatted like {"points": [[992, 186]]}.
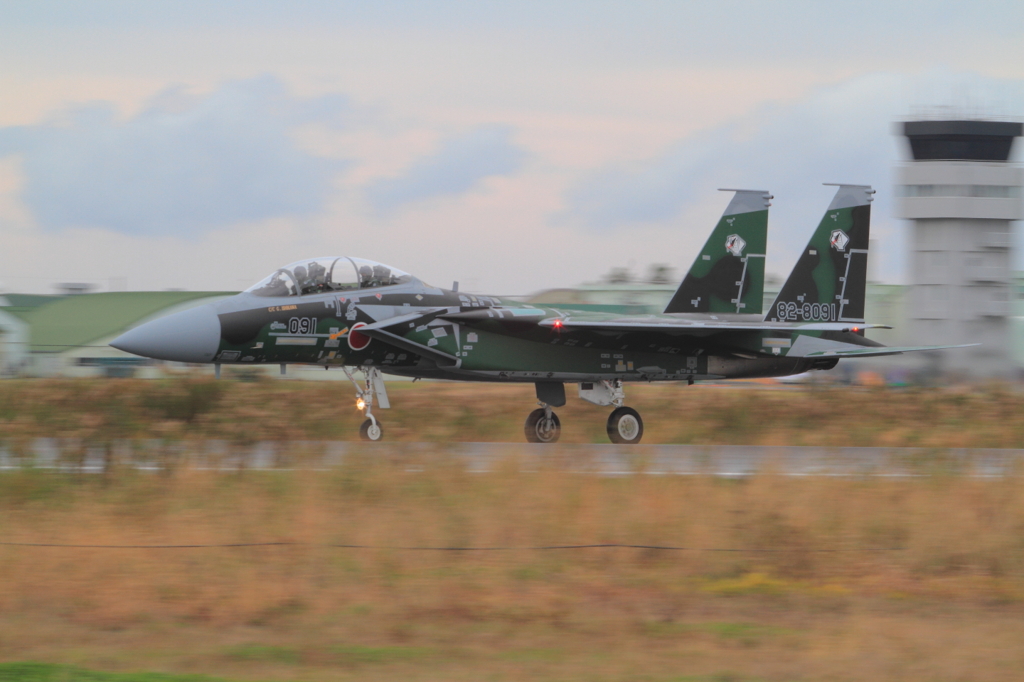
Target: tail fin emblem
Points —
{"points": [[735, 244], [839, 240]]}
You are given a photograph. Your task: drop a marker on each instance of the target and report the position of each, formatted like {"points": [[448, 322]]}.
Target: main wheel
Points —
{"points": [[541, 429], [371, 430], [625, 426]]}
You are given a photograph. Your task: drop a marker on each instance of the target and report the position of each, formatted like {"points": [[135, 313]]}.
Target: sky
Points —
{"points": [[513, 146]]}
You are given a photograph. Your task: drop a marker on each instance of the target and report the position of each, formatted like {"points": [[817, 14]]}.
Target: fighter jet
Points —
{"points": [[362, 316]]}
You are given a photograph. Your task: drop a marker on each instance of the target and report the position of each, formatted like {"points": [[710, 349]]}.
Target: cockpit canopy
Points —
{"points": [[320, 275]]}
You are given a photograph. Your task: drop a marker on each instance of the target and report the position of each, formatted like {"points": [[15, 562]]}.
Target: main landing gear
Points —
{"points": [[371, 387], [624, 426], [542, 426]]}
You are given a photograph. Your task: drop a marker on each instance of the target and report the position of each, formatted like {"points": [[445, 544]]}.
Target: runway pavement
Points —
{"points": [[599, 458]]}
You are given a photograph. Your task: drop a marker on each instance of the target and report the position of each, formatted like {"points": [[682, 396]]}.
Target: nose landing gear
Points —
{"points": [[372, 386], [371, 429]]}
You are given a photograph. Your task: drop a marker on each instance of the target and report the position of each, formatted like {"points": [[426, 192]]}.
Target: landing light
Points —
{"points": [[360, 404]]}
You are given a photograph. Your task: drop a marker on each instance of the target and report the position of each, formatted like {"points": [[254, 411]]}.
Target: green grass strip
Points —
{"points": [[49, 672]]}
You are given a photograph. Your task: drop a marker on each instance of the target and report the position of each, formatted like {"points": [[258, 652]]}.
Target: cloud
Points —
{"points": [[843, 132], [840, 133], [458, 166], [184, 165]]}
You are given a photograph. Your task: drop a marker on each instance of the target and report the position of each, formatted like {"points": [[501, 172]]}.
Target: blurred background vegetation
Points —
{"points": [[99, 411]]}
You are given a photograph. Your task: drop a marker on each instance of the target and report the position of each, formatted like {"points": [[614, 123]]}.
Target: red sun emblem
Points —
{"points": [[357, 341]]}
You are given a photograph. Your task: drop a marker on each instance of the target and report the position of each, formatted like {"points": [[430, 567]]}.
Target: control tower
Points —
{"points": [[961, 192]]}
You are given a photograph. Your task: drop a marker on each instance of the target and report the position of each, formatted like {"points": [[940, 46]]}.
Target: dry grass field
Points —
{"points": [[782, 578], [834, 579], [243, 412]]}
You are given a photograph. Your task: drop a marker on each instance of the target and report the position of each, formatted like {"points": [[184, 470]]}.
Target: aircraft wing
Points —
{"points": [[685, 327], [806, 346], [668, 324]]}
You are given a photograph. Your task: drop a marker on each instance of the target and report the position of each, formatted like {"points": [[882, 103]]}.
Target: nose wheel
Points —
{"points": [[625, 426], [542, 426], [371, 387], [371, 430]]}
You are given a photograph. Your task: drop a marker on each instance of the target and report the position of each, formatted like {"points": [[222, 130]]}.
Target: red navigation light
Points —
{"points": [[557, 324], [856, 329]]}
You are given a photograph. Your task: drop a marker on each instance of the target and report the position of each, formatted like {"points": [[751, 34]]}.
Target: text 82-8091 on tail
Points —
{"points": [[369, 318]]}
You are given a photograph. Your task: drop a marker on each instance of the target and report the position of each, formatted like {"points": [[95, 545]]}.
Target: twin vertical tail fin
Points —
{"points": [[829, 281], [728, 275]]}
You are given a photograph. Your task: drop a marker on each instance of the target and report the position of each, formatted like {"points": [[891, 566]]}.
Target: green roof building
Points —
{"points": [[68, 335]]}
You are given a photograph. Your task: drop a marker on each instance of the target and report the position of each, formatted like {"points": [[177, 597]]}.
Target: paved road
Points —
{"points": [[603, 459]]}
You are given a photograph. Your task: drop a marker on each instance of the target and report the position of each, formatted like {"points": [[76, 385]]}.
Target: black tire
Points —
{"points": [[625, 426], [370, 431], [540, 429]]}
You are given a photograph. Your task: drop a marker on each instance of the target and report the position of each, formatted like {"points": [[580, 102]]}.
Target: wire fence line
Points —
{"points": [[510, 548]]}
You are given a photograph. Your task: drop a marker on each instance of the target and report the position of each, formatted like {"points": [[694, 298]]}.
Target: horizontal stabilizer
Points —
{"points": [[878, 351]]}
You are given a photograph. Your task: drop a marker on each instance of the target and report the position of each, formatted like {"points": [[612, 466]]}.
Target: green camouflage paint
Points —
{"points": [[728, 274], [829, 281]]}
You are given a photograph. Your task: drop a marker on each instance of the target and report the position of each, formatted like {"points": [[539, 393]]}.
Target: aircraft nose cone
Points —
{"points": [[191, 335]]}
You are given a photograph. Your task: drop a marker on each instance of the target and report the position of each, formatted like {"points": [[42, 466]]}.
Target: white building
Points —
{"points": [[961, 192], [14, 338]]}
